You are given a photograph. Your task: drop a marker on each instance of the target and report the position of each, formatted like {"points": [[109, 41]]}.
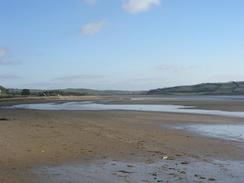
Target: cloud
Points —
{"points": [[79, 78], [9, 77], [92, 28], [137, 6], [3, 53], [174, 68], [70, 81], [90, 2], [4, 57]]}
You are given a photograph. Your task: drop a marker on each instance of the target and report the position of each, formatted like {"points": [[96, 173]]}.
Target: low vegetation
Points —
{"points": [[3, 91], [68, 92]]}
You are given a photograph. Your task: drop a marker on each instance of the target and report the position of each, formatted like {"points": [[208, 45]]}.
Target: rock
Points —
{"points": [[124, 171], [184, 163], [165, 157], [4, 119], [154, 174]]}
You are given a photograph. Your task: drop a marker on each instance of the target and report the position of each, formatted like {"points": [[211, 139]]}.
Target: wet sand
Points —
{"points": [[34, 143]]}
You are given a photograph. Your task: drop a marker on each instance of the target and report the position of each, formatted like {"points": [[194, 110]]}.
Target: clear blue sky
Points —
{"points": [[120, 44]]}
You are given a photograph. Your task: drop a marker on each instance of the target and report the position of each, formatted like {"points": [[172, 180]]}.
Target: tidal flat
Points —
{"points": [[82, 146]]}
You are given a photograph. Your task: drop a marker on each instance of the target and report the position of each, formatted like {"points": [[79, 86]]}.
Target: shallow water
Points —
{"points": [[108, 171], [190, 98], [224, 131], [135, 107]]}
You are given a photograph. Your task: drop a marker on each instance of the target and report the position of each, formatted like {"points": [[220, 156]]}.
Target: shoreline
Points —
{"points": [[208, 104]]}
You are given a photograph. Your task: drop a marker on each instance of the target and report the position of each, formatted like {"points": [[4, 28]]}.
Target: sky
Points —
{"points": [[120, 44]]}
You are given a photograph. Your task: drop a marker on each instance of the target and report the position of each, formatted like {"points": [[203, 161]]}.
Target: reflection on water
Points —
{"points": [[135, 107], [190, 98], [224, 131]]}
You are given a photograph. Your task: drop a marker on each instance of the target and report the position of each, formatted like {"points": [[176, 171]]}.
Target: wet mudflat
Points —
{"points": [[129, 144], [233, 132], [113, 171]]}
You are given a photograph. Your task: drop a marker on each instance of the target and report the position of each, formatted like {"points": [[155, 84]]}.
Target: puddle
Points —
{"points": [[224, 131], [163, 171], [134, 107]]}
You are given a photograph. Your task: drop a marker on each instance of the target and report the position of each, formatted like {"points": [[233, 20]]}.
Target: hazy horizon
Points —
{"points": [[120, 45], [136, 90]]}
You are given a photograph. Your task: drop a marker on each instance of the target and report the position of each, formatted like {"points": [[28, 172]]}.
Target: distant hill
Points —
{"points": [[229, 88], [81, 91], [75, 91]]}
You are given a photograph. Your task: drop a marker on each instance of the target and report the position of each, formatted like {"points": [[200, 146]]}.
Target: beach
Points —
{"points": [[36, 143]]}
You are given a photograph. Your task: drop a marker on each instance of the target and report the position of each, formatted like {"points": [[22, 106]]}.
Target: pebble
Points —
{"points": [[184, 162]]}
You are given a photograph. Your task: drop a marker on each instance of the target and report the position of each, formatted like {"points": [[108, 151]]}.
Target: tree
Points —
{"points": [[2, 91], [25, 92]]}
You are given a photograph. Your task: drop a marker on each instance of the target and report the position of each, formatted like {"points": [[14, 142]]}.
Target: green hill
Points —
{"points": [[230, 88]]}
